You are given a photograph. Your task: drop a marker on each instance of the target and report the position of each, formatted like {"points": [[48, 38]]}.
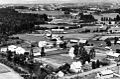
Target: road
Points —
{"points": [[8, 73]]}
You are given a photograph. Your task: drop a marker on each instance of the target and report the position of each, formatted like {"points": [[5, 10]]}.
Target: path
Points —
{"points": [[11, 74]]}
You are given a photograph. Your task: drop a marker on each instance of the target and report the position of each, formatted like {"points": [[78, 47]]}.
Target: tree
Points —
{"points": [[115, 40], [107, 19], [14, 22], [82, 53], [97, 64], [102, 19], [92, 53], [42, 51], [110, 19], [108, 42], [93, 65], [109, 22], [117, 18], [45, 17], [76, 49]]}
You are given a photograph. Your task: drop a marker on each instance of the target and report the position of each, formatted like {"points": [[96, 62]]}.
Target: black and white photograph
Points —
{"points": [[59, 39]]}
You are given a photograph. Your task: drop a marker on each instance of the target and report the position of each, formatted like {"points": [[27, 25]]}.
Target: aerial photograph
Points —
{"points": [[59, 39]]}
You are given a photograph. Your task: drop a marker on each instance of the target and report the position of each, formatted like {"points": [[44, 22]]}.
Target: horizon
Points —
{"points": [[55, 1]]}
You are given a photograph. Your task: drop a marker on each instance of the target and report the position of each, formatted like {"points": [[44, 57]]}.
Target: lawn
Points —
{"points": [[31, 37], [40, 37], [78, 36]]}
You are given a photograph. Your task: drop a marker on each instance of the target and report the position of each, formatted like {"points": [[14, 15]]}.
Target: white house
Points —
{"points": [[105, 74], [115, 29], [76, 66], [112, 55]]}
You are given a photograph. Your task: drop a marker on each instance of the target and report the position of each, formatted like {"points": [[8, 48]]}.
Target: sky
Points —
{"points": [[52, 1]]}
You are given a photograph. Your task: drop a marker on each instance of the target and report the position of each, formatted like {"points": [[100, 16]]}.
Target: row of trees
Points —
{"points": [[106, 19], [117, 18]]}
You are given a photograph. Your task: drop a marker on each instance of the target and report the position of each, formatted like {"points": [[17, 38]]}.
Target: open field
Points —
{"points": [[40, 37], [29, 37]]}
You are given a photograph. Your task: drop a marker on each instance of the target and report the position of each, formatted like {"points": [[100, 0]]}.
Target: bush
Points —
{"points": [[104, 62], [117, 50]]}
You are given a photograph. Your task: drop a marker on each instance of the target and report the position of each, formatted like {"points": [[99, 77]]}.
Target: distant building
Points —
{"points": [[57, 30]]}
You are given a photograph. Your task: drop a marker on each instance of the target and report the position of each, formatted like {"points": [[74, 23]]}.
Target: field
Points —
{"points": [[54, 13], [40, 37]]}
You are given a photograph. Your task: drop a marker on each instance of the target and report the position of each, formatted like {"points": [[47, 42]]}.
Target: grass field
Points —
{"points": [[31, 37], [40, 37]]}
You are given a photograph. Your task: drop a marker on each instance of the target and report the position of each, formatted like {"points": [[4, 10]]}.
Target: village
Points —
{"points": [[73, 43]]}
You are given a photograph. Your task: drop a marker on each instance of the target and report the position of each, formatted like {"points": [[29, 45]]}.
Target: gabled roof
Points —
{"points": [[106, 72]]}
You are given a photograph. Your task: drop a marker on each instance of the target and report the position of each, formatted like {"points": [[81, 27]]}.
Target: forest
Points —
{"points": [[12, 22]]}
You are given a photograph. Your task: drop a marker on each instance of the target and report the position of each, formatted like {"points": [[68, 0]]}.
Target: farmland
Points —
{"points": [[43, 12], [39, 39]]}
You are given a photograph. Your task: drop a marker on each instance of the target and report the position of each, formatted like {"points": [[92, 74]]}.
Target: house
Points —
{"points": [[83, 41], [113, 55], [57, 30], [115, 29], [3, 50], [105, 74]]}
